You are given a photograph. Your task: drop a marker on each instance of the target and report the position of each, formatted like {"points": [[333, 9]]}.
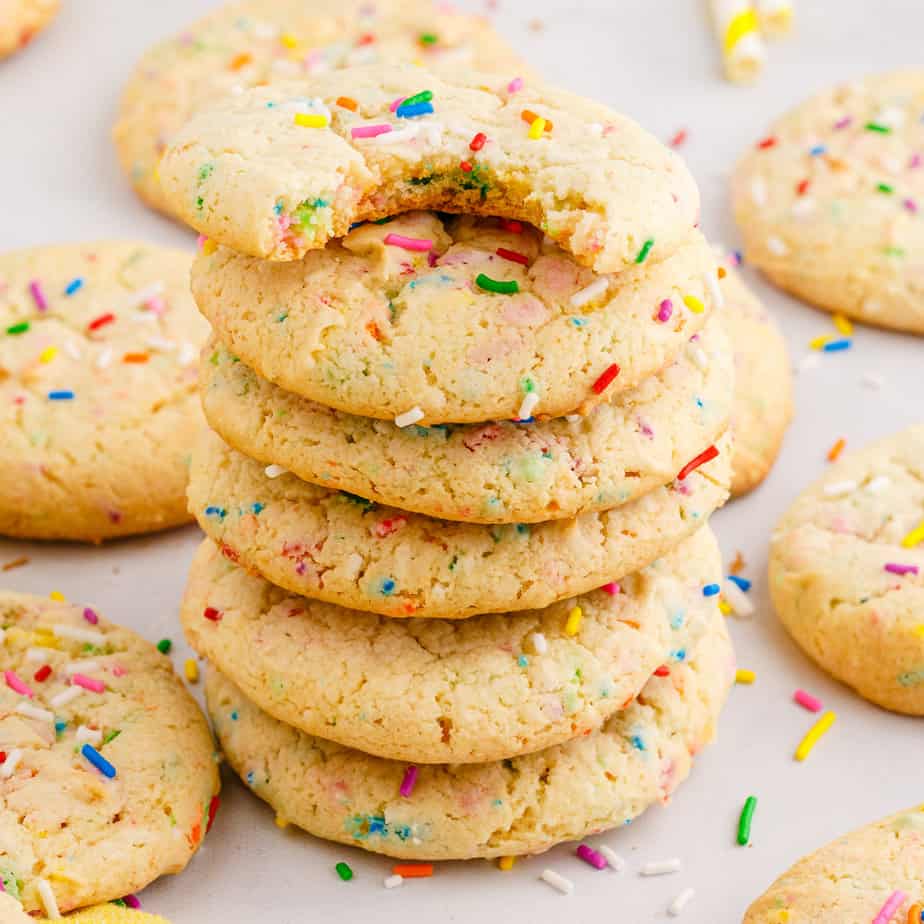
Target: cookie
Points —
{"points": [[847, 571], [21, 20], [283, 169], [495, 472], [374, 329], [828, 201], [875, 870], [254, 42], [343, 549], [763, 405], [462, 691], [99, 345], [523, 805], [101, 742]]}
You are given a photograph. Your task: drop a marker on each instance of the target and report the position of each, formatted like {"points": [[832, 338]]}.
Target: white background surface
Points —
{"points": [[656, 60]]}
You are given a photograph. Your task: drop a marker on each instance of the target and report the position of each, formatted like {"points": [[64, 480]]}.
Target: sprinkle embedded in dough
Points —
{"points": [[8, 767], [528, 406], [86, 735], [414, 415], [839, 488], [47, 896], [78, 634], [597, 288], [777, 247], [759, 191], [65, 697], [274, 471], [878, 484], [35, 712]]}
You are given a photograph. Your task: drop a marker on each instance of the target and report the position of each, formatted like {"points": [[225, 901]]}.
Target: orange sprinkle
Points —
{"points": [[15, 563], [373, 329], [914, 913], [347, 102], [241, 60], [802, 187], [737, 565], [527, 115], [836, 450], [135, 358], [722, 272], [413, 870]]}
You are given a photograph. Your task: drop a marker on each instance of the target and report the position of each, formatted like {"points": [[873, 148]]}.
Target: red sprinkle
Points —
{"points": [[2, 757], [513, 255], [211, 613], [662, 671], [802, 187], [101, 321], [514, 227], [43, 673], [478, 142], [766, 143], [701, 459], [465, 166], [679, 138], [386, 527], [213, 811], [601, 384]]}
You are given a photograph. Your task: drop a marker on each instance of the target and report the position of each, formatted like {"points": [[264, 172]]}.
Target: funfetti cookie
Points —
{"points": [[245, 44], [21, 20], [873, 874], [423, 321], [503, 471], [828, 201], [847, 571], [344, 549], [108, 774], [523, 805], [283, 169], [99, 346]]}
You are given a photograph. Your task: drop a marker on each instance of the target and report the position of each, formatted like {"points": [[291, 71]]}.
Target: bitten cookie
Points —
{"points": [[523, 805], [346, 550], [846, 566], [466, 691], [254, 42], [108, 769], [404, 320], [876, 870], [828, 202], [21, 20], [99, 345], [283, 169]]}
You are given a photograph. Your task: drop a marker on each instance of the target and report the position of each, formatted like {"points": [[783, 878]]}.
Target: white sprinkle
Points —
{"points": [[187, 355], [530, 401], [104, 358], [274, 471], [873, 381], [680, 902], [354, 564], [81, 667], [72, 350], [715, 290], [68, 695], [237, 90], [265, 30], [878, 484], [362, 55], [91, 735], [803, 207], [49, 903], [759, 191], [661, 867], [161, 343], [540, 645], [737, 599], [614, 861], [891, 116], [34, 712], [698, 356], [573, 418], [808, 362], [837, 488], [409, 417], [872, 306], [433, 132], [392, 882], [36, 654], [79, 635], [777, 247], [8, 767], [143, 296], [583, 296], [595, 129], [397, 136], [565, 886], [318, 105]]}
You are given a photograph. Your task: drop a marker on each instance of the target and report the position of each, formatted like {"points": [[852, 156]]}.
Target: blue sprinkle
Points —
{"points": [[835, 346], [257, 507], [679, 655], [742, 583], [387, 587], [73, 286], [63, 395], [710, 590], [637, 742], [417, 109], [219, 512], [98, 761], [677, 620], [250, 777], [525, 420], [60, 725], [579, 322], [234, 716], [818, 150], [277, 208], [523, 661]]}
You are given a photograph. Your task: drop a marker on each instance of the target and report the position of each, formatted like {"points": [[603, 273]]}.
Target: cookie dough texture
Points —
{"points": [[828, 203], [245, 173], [523, 805], [241, 45], [851, 878], [20, 20], [91, 838], [763, 405], [832, 563], [374, 329], [494, 472], [452, 692], [343, 549], [99, 346]]}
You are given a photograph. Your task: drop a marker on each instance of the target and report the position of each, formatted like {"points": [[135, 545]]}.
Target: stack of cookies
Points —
{"points": [[469, 404]]}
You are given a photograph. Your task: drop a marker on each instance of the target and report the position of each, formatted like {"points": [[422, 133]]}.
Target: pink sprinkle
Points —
{"points": [[916, 161], [394, 106], [118, 671], [911, 205], [200, 241], [35, 287], [589, 855], [893, 903], [432, 258], [132, 902], [88, 683], [16, 685], [409, 243], [843, 123], [807, 701], [515, 85], [370, 131], [893, 568], [666, 310], [612, 588], [90, 616], [409, 781]]}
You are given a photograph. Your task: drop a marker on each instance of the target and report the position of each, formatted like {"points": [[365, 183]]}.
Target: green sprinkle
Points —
{"points": [[164, 646], [885, 188], [527, 385], [495, 285], [878, 127], [19, 328], [744, 822], [111, 736], [646, 249], [428, 38], [424, 96], [344, 871], [894, 251]]}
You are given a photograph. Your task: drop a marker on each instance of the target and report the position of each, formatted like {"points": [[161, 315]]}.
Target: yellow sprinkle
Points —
{"points": [[725, 607], [919, 630], [574, 621], [209, 246], [506, 863], [282, 821], [915, 537], [818, 343], [694, 304], [57, 595], [536, 128], [814, 733], [842, 323], [310, 120], [191, 669], [289, 40], [48, 354], [745, 676], [741, 25]]}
